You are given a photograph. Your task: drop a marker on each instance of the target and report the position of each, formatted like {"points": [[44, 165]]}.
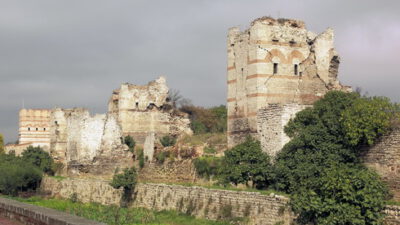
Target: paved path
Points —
{"points": [[4, 221]]}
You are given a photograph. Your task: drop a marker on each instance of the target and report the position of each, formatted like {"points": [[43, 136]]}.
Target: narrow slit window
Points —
{"points": [[29, 128], [37, 129], [44, 129], [296, 69], [275, 68]]}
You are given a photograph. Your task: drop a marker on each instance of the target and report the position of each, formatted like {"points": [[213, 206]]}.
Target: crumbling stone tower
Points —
{"points": [[275, 69]]}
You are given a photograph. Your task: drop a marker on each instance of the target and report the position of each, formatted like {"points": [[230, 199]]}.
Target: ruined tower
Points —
{"points": [[275, 69], [34, 127]]}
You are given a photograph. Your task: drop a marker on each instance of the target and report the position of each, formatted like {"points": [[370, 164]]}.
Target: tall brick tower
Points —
{"points": [[34, 126], [275, 69]]}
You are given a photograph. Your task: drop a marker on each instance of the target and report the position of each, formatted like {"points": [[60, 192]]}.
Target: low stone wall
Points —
{"points": [[392, 215], [200, 202], [35, 215]]}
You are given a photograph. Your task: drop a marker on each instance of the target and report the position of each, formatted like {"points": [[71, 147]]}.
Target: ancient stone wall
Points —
{"points": [[271, 121], [200, 202], [35, 215], [275, 62], [142, 110], [171, 171], [392, 215], [384, 158], [87, 144]]}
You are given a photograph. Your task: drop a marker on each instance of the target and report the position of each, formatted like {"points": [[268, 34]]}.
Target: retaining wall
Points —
{"points": [[35, 215]]}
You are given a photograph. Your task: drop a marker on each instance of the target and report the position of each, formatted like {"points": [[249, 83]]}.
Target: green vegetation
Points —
{"points": [[207, 120], [126, 180], [140, 155], [162, 156], [207, 166], [17, 175], [114, 215], [37, 157], [128, 140], [1, 144], [167, 141], [246, 163], [320, 166]]}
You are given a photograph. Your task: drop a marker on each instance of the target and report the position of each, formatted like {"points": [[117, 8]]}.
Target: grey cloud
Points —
{"points": [[74, 53]]}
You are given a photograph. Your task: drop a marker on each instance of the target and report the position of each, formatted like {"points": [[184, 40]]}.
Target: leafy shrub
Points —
{"points": [[38, 157], [207, 167], [17, 175], [246, 163], [128, 140], [161, 156], [127, 179], [168, 141], [140, 155], [210, 150], [207, 120]]}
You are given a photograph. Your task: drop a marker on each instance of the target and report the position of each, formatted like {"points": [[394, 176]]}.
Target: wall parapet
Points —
{"points": [[36, 215]]}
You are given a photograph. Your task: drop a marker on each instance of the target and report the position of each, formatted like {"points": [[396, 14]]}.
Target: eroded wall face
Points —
{"points": [[271, 121], [34, 127], [384, 158], [142, 110], [87, 144], [275, 62]]}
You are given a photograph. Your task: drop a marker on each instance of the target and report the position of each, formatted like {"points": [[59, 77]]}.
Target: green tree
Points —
{"points": [[17, 175], [128, 140], [1, 144], [38, 157], [368, 119], [320, 165], [127, 180], [342, 195], [246, 163]]}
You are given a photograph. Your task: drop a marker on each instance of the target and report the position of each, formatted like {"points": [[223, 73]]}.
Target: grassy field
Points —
{"points": [[114, 215]]}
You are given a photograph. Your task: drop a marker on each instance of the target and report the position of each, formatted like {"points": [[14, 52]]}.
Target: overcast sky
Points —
{"points": [[69, 53]]}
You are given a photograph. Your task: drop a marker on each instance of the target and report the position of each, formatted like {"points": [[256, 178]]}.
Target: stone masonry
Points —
{"points": [[93, 144], [198, 201], [384, 158], [143, 110], [275, 62]]}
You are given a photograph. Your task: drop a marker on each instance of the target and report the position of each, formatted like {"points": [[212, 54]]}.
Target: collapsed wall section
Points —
{"points": [[87, 144], [275, 62], [142, 110]]}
